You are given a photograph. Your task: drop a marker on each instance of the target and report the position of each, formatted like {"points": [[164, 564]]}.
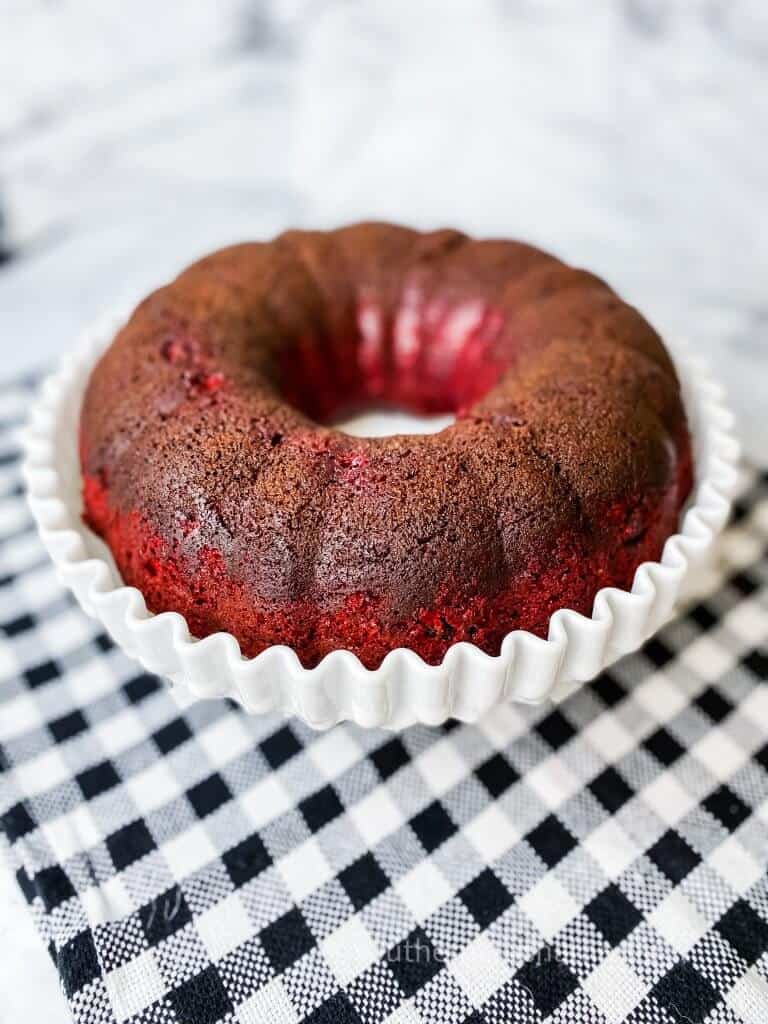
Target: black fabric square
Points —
{"points": [[713, 704], [172, 735], [129, 844], [201, 1000], [757, 663], [280, 747], [141, 687], [744, 584], [22, 624], [164, 915], [664, 747], [26, 885], [739, 512], [207, 796], [40, 674], [555, 729], [745, 930], [608, 690], [414, 962], [729, 809], [246, 860], [77, 963], [549, 981], [286, 940], [551, 840], [703, 616], [104, 642], [658, 653], [761, 756], [673, 856], [321, 807], [336, 1010], [67, 726], [54, 887], [433, 826], [613, 914], [611, 789], [16, 822], [98, 779], [363, 880], [389, 757], [685, 993], [497, 774], [486, 898]]}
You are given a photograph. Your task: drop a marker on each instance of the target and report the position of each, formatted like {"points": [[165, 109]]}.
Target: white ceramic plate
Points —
{"points": [[404, 689]]}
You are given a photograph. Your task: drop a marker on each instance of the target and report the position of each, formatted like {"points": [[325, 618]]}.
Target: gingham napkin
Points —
{"points": [[600, 861]]}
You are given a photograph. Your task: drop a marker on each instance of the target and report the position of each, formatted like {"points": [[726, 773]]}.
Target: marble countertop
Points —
{"points": [[626, 135]]}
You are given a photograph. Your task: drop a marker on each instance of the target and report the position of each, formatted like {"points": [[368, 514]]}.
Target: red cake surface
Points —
{"points": [[212, 470]]}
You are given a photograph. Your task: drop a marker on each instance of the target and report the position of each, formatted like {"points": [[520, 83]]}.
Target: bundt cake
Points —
{"points": [[212, 469]]}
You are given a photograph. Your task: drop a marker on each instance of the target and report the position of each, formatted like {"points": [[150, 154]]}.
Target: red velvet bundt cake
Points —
{"points": [[213, 473]]}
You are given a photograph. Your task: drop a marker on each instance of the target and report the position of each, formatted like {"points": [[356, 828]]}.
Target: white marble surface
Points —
{"points": [[627, 135]]}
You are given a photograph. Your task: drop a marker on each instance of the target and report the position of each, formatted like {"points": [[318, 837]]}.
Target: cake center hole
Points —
{"points": [[386, 422], [410, 370]]}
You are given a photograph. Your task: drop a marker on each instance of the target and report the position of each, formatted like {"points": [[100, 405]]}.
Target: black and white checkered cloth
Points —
{"points": [[598, 862]]}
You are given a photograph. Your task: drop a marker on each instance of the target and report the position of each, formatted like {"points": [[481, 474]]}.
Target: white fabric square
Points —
{"points": [[553, 781], [755, 706], [350, 950], [153, 787], [442, 766], [423, 889], [614, 988], [740, 549], [608, 737], [69, 630], [678, 921], [480, 970], [224, 926], [405, 1014], [549, 906], [706, 657], [747, 620], [224, 740], [120, 732], [21, 714], [107, 902], [270, 1005], [719, 754], [658, 698], [492, 832], [504, 724], [334, 752], [189, 851], [611, 847], [134, 986], [72, 833], [749, 998], [376, 816], [264, 801], [304, 869], [668, 798], [90, 680], [735, 864], [43, 772]]}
